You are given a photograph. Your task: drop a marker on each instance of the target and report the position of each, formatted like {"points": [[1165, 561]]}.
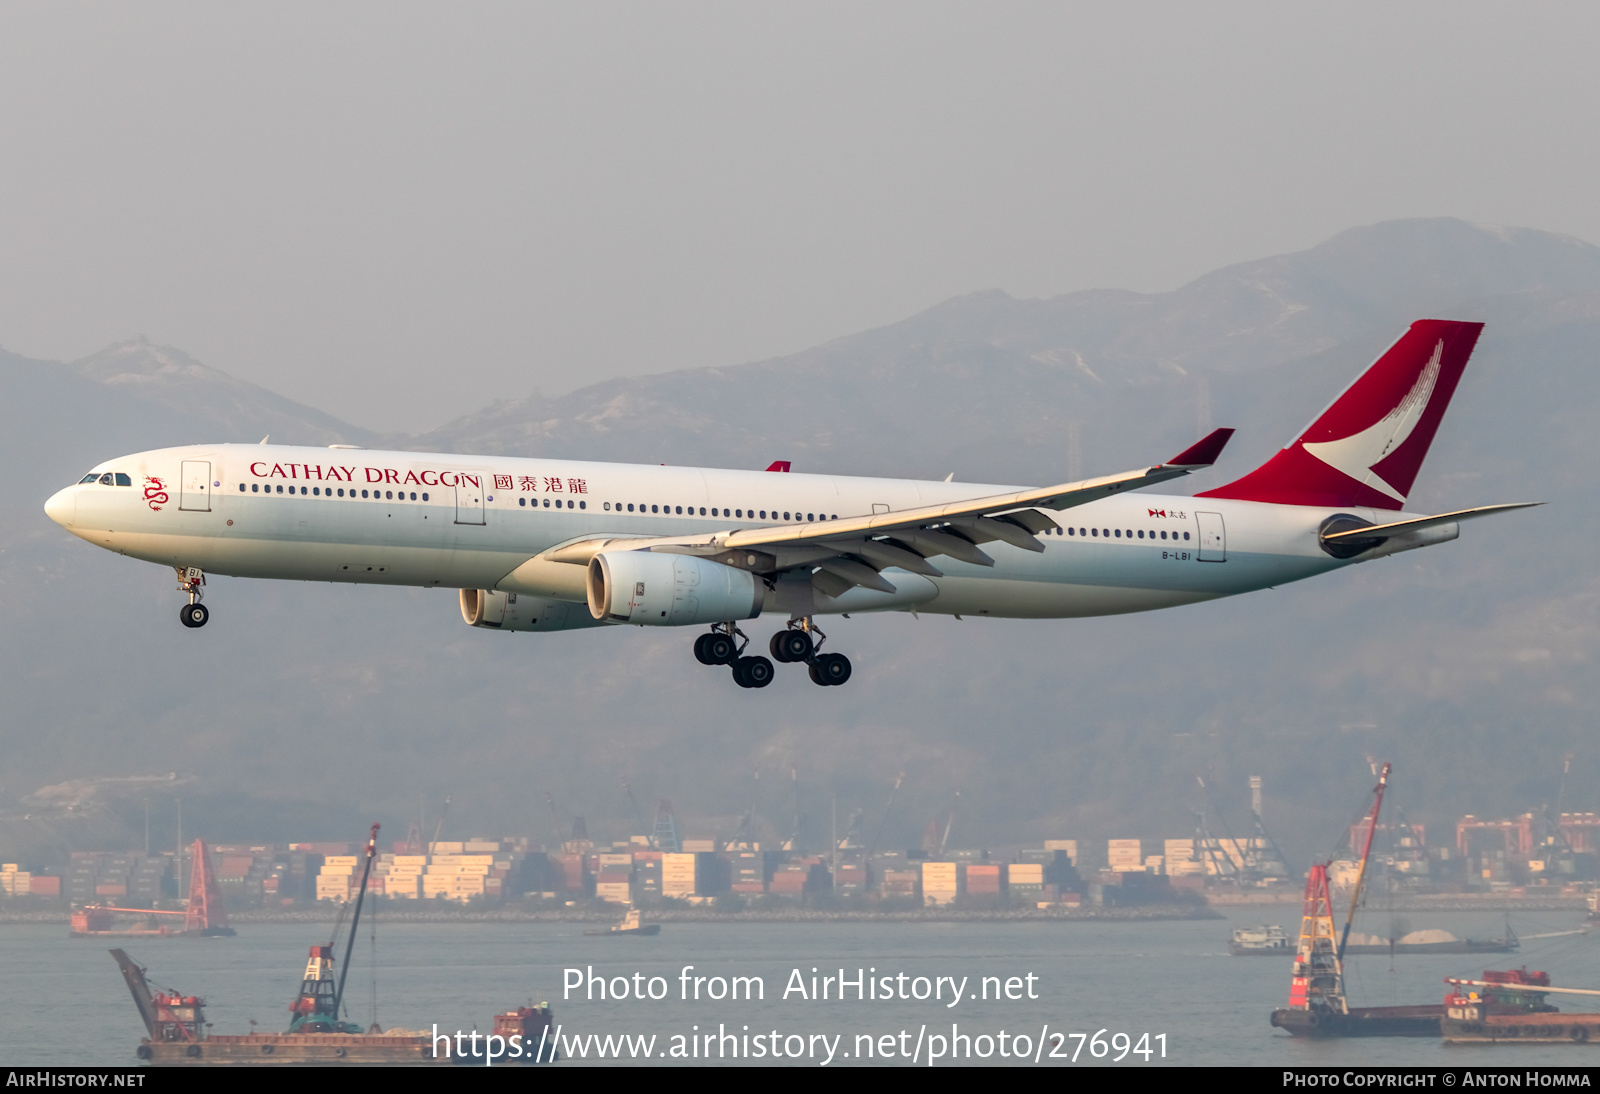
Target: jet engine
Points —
{"points": [[510, 612], [669, 590]]}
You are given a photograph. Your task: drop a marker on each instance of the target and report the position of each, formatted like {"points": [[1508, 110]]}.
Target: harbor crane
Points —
{"points": [[877, 835]]}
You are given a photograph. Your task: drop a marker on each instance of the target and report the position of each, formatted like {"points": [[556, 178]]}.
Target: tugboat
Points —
{"points": [[1259, 941], [1317, 1005], [1510, 1006], [632, 924]]}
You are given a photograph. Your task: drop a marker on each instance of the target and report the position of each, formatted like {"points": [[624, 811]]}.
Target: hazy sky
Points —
{"points": [[398, 212]]}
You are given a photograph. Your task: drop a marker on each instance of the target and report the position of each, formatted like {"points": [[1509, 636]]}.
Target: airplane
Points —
{"points": [[552, 545]]}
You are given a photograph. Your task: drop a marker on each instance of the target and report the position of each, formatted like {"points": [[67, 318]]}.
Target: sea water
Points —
{"points": [[1168, 988]]}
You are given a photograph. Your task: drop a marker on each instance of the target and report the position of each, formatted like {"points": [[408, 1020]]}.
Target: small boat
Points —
{"points": [[1259, 941], [631, 924]]}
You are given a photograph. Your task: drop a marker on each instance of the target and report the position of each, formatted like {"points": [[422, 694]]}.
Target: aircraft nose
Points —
{"points": [[62, 507]]}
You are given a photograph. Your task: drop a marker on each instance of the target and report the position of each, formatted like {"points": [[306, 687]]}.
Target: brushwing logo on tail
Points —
{"points": [[1357, 454]]}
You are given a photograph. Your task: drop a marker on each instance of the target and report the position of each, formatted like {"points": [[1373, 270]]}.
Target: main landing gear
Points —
{"points": [[192, 580], [726, 643]]}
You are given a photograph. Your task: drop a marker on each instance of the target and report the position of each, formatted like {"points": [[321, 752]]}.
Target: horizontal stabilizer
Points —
{"points": [[1385, 531], [1347, 537]]}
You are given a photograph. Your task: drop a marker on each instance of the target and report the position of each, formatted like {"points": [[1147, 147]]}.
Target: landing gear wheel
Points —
{"points": [[700, 653], [719, 648], [194, 615], [830, 669], [790, 646], [752, 672]]}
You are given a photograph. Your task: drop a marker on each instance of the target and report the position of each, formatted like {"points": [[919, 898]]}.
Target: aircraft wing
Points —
{"points": [[853, 550]]}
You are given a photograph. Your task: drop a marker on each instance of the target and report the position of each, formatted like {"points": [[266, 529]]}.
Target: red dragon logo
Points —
{"points": [[155, 493]]}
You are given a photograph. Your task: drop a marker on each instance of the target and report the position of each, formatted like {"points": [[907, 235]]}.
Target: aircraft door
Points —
{"points": [[469, 497], [196, 479], [1213, 538]]}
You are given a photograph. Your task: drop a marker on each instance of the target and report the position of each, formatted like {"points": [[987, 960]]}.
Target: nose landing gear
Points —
{"points": [[191, 580]]}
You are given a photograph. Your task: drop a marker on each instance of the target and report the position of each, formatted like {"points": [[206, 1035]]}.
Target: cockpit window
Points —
{"points": [[90, 477], [123, 480], [107, 479]]}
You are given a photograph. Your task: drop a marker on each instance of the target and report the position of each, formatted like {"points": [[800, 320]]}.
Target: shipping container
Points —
{"points": [[616, 891]]}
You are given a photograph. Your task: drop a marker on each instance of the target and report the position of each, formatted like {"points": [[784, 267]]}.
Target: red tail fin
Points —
{"points": [[1368, 446]]}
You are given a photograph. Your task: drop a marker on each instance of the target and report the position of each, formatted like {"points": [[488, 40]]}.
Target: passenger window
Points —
{"points": [[680, 510], [522, 502], [1186, 535], [363, 493], [583, 505], [763, 514], [424, 496], [1094, 531], [341, 491], [630, 507]]}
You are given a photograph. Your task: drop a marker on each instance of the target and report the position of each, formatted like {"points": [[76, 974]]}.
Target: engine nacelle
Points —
{"points": [[511, 612], [667, 590]]}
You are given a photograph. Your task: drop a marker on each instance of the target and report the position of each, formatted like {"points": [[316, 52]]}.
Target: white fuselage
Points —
{"points": [[477, 522]]}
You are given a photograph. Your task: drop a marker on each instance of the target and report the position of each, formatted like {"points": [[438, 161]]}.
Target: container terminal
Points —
{"points": [[1534, 855]]}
